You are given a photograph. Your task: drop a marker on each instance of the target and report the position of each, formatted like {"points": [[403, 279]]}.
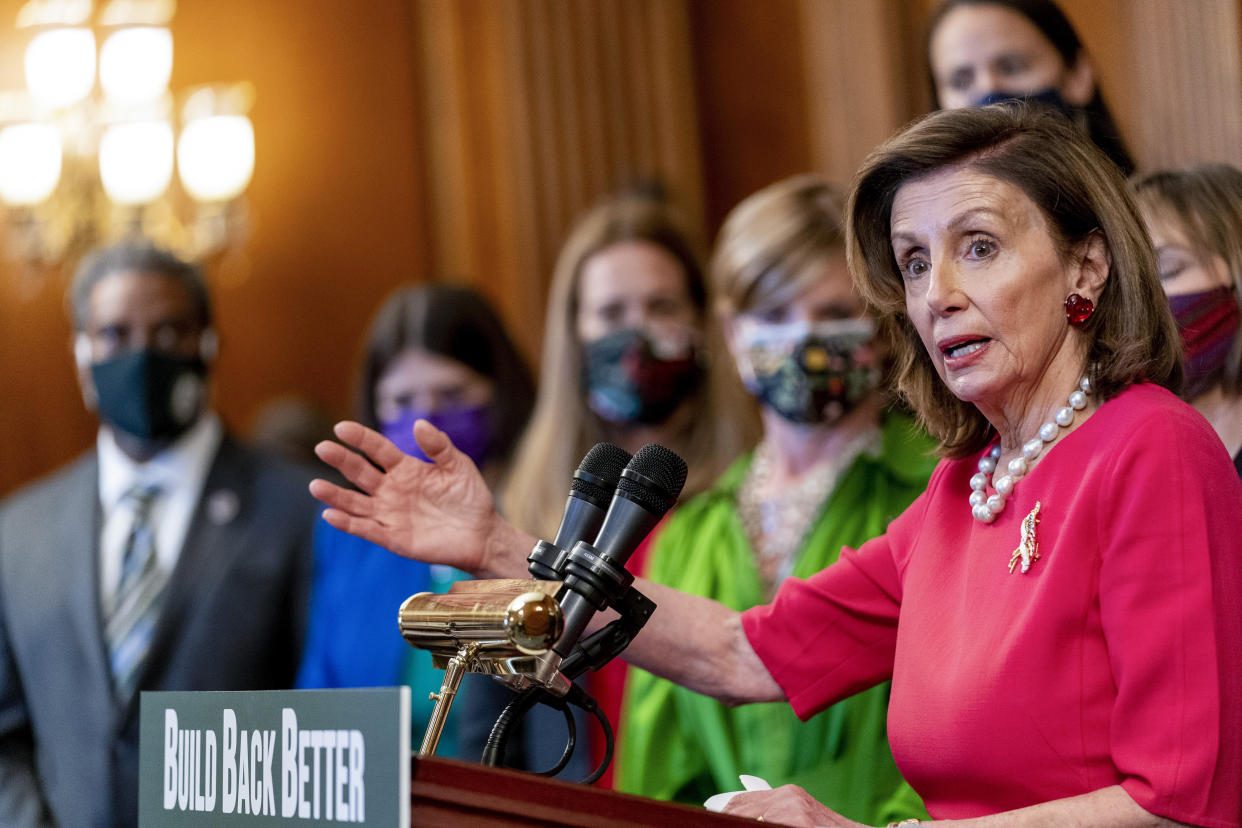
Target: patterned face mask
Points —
{"points": [[630, 377], [810, 373], [1208, 321]]}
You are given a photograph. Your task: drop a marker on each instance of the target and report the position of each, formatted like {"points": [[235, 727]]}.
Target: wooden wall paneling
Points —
{"points": [[570, 74], [441, 54], [335, 199], [539, 47], [637, 82], [534, 45], [465, 56], [751, 89], [1186, 58], [525, 292], [856, 79], [42, 420], [590, 111], [554, 104], [614, 116], [912, 29], [525, 232], [678, 140]]}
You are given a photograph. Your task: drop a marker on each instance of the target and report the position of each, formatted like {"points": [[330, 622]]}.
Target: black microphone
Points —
{"points": [[595, 574], [589, 494]]}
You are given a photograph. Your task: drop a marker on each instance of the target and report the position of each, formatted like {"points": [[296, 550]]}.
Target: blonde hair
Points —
{"points": [[563, 428], [1131, 337], [1205, 201], [773, 245]]}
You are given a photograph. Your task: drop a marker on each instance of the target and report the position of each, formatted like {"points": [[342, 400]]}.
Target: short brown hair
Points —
{"points": [[1205, 201], [1130, 338], [772, 246]]}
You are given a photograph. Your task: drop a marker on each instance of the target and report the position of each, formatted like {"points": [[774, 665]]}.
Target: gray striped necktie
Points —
{"points": [[139, 594]]}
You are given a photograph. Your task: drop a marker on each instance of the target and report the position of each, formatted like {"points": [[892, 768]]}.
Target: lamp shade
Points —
{"points": [[29, 163], [135, 64], [215, 157], [136, 162], [60, 66]]}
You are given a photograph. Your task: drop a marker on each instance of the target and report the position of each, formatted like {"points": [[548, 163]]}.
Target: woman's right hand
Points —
{"points": [[437, 512]]}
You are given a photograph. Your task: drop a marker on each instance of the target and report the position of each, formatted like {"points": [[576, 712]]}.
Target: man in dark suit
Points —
{"points": [[167, 558]]}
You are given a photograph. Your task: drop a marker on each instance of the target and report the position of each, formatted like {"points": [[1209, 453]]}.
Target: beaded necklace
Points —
{"points": [[776, 523], [985, 508]]}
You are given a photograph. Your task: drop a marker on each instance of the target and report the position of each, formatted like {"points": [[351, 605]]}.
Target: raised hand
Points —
{"points": [[437, 512]]}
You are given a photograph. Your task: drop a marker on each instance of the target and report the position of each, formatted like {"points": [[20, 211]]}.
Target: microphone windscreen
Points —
{"points": [[653, 479], [599, 472]]}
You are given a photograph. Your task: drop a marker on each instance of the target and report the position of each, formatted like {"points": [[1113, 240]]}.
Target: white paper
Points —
{"points": [[718, 802]]}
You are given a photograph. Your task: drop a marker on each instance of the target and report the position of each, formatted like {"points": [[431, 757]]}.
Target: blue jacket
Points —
{"points": [[352, 638]]}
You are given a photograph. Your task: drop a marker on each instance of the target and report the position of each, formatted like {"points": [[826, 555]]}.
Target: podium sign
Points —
{"points": [[274, 758]]}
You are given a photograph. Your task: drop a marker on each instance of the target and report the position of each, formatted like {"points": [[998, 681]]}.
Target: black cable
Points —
{"points": [[494, 750], [498, 739], [605, 639], [581, 698], [609, 744]]}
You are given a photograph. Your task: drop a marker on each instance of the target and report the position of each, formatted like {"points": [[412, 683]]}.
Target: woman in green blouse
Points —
{"points": [[833, 468]]}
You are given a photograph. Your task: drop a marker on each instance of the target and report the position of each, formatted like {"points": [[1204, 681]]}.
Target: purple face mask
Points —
{"points": [[468, 428]]}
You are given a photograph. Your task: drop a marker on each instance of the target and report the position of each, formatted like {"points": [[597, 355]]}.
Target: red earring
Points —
{"points": [[1078, 309]]}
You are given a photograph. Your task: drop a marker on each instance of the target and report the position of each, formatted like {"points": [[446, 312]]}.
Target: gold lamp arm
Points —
{"points": [[457, 667]]}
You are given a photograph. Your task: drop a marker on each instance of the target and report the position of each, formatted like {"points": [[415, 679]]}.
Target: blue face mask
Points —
{"points": [[1050, 97], [470, 429]]}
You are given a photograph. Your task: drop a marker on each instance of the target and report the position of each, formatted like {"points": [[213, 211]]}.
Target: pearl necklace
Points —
{"points": [[985, 508]]}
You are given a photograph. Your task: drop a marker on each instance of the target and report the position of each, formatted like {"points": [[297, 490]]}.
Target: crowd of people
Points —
{"points": [[961, 535]]}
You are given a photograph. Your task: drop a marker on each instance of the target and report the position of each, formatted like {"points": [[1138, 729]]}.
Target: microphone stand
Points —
{"points": [[592, 577], [591, 653]]}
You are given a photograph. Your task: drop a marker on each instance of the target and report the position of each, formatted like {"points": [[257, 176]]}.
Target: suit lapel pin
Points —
{"points": [[222, 506]]}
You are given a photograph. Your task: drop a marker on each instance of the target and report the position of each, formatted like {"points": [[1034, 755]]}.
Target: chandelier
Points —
{"points": [[88, 149]]}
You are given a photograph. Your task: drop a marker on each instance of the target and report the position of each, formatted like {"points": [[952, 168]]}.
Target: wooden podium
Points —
{"points": [[446, 792]]}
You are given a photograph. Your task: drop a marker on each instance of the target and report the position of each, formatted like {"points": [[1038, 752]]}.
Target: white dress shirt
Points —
{"points": [[179, 471]]}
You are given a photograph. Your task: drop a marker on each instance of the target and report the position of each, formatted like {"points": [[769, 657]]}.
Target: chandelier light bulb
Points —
{"points": [[29, 163], [136, 162], [67, 145], [215, 157], [135, 64], [60, 66]]}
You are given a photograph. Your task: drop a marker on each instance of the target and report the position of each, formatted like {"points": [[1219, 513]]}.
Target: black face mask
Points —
{"points": [[628, 381], [151, 395]]}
